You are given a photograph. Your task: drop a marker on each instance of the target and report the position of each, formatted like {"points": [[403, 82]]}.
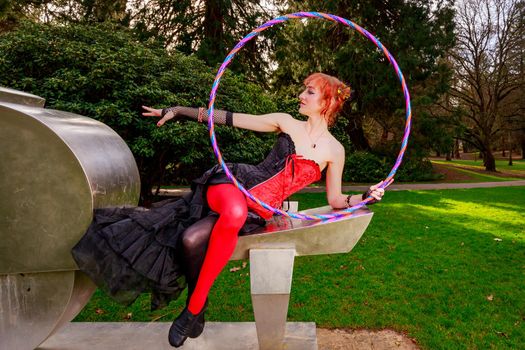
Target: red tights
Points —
{"points": [[229, 202]]}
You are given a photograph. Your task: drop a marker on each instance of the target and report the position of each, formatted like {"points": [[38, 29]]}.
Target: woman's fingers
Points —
{"points": [[376, 192], [151, 112], [166, 117], [374, 187]]}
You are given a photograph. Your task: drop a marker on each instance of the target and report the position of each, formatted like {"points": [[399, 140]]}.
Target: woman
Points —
{"points": [[303, 149]]}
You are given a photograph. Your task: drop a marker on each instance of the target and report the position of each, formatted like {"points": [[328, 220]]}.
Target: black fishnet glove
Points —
{"points": [[199, 114]]}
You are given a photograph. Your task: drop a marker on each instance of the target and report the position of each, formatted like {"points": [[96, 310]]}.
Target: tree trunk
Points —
{"points": [[488, 160], [356, 133], [457, 155], [510, 156], [211, 47], [523, 148], [449, 156]]}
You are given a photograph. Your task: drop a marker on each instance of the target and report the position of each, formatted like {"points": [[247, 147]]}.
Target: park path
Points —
{"points": [[436, 186], [393, 187]]}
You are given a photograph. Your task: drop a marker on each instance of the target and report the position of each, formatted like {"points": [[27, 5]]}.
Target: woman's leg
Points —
{"points": [[195, 243], [229, 202]]}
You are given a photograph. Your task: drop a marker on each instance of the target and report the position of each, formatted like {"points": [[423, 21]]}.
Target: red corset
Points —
{"points": [[296, 174]]}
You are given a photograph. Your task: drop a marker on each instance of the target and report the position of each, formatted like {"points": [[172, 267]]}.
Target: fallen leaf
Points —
{"points": [[244, 264], [128, 316], [497, 239], [490, 297], [236, 268], [99, 311]]}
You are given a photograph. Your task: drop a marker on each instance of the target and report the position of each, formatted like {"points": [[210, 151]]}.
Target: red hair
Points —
{"points": [[333, 94]]}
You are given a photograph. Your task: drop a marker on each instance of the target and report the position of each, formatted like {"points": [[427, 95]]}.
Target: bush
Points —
{"points": [[106, 72], [364, 167], [369, 167], [416, 170]]}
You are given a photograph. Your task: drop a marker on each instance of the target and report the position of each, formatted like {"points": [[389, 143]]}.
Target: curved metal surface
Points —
{"points": [[30, 305], [307, 237], [20, 97], [56, 167], [83, 288]]}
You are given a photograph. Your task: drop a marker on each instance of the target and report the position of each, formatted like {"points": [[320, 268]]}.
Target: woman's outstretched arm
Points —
{"points": [[271, 122]]}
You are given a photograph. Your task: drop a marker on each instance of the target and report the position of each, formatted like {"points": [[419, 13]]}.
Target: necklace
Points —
{"points": [[313, 144]]}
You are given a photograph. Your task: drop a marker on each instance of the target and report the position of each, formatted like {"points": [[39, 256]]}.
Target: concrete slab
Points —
{"points": [[154, 336]]}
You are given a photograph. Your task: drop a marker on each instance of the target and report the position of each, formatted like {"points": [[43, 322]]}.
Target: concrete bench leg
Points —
{"points": [[271, 282]]}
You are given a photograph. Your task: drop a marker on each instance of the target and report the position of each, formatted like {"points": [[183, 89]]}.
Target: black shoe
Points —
{"points": [[199, 325], [183, 326]]}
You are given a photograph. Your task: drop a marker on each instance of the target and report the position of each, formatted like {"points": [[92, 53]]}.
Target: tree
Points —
{"points": [[485, 70], [207, 28], [418, 33]]}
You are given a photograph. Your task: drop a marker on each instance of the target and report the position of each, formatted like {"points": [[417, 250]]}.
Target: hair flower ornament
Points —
{"points": [[344, 92]]}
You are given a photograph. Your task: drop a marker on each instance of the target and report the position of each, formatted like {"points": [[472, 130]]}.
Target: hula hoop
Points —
{"points": [[211, 126]]}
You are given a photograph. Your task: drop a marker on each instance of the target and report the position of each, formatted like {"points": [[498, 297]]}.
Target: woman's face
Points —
{"points": [[310, 101]]}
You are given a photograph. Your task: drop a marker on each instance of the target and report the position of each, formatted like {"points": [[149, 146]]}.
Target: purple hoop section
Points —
{"points": [[408, 115]]}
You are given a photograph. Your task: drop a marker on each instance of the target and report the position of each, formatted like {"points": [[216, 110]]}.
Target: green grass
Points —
{"points": [[474, 175], [500, 164], [427, 265]]}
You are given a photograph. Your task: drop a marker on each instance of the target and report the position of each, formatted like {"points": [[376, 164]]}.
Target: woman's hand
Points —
{"points": [[153, 112], [375, 192]]}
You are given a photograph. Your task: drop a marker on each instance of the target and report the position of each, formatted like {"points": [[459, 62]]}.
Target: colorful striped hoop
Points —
{"points": [[408, 115]]}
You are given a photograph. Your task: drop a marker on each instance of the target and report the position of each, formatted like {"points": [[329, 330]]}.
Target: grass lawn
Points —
{"points": [[447, 267], [501, 164], [474, 176]]}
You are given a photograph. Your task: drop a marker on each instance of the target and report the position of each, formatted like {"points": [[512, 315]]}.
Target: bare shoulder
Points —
{"points": [[287, 123], [336, 149]]}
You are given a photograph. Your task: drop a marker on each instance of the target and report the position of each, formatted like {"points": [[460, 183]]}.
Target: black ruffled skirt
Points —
{"points": [[130, 250]]}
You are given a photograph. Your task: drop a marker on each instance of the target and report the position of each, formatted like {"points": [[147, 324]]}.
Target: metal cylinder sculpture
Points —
{"points": [[55, 168]]}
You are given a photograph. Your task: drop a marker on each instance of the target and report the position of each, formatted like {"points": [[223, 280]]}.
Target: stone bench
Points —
{"points": [[46, 209], [272, 251]]}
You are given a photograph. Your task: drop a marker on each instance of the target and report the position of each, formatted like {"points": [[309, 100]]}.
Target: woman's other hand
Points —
{"points": [[153, 112], [376, 192]]}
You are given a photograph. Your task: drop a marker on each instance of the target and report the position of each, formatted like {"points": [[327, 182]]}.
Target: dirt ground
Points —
{"points": [[452, 175], [362, 339], [449, 173]]}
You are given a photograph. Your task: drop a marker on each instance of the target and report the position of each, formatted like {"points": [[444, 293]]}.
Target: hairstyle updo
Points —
{"points": [[334, 93]]}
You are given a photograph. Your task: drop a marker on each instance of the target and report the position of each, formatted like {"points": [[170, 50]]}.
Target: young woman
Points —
{"points": [[197, 235]]}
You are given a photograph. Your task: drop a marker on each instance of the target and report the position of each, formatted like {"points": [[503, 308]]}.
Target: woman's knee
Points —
{"points": [[191, 242], [198, 234], [235, 214]]}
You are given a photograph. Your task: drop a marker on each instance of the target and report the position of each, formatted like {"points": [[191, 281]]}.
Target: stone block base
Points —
{"points": [[154, 336]]}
